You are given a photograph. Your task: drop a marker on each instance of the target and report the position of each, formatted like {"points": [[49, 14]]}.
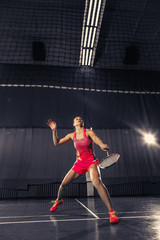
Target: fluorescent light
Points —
{"points": [[86, 56], [93, 15], [93, 37], [83, 56], [86, 34], [89, 12], [90, 55], [89, 38], [97, 16]]}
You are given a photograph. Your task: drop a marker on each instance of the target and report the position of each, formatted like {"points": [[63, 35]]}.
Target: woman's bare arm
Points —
{"points": [[56, 140], [97, 140]]}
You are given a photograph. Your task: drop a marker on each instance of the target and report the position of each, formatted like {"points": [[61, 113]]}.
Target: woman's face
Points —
{"points": [[78, 121]]}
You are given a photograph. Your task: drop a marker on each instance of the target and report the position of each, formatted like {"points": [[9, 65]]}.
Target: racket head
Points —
{"points": [[109, 160]]}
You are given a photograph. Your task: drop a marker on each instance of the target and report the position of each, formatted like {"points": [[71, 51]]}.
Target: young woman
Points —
{"points": [[86, 162]]}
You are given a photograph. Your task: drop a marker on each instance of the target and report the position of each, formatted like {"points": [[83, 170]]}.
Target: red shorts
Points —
{"points": [[82, 167]]}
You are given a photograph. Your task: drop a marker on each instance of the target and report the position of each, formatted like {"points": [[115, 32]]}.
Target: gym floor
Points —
{"points": [[81, 218]]}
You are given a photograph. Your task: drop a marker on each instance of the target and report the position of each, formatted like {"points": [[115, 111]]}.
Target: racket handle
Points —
{"points": [[107, 152]]}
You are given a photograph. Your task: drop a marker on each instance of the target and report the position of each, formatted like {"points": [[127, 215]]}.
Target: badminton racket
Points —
{"points": [[109, 160]]}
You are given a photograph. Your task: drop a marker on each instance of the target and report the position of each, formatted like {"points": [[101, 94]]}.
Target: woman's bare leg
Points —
{"points": [[95, 177], [71, 175]]}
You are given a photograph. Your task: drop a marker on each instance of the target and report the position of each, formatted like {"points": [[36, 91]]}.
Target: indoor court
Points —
{"points": [[30, 219], [80, 120]]}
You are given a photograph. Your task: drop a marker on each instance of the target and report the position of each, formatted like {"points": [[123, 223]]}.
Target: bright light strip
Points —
{"points": [[89, 12], [97, 16], [83, 56], [93, 15], [89, 38], [86, 34], [90, 55], [93, 37], [87, 52]]}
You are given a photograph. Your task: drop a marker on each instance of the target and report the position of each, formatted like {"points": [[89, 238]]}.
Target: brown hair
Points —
{"points": [[82, 120]]}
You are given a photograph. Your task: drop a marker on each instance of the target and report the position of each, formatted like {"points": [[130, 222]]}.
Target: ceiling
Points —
{"points": [[129, 34]]}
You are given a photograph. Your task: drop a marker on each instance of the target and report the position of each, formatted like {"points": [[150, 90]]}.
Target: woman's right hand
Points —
{"points": [[52, 124]]}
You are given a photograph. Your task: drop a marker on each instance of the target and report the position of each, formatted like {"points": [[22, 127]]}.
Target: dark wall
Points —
{"points": [[27, 156], [37, 93], [114, 103], [31, 107]]}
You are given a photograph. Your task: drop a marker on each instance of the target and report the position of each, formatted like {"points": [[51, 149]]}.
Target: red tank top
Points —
{"points": [[84, 148]]}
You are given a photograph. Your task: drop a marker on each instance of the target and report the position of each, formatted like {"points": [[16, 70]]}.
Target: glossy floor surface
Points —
{"points": [[84, 218]]}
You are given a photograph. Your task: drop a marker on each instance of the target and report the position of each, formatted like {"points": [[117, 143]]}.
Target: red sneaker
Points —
{"points": [[113, 216], [55, 205]]}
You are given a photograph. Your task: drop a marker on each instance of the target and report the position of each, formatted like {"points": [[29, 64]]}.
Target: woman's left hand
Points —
{"points": [[104, 147]]}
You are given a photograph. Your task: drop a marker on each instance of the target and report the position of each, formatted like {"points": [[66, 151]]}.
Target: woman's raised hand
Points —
{"points": [[52, 124]]}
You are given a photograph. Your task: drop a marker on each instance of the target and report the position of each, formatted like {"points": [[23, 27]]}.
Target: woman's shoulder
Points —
{"points": [[89, 130], [71, 135]]}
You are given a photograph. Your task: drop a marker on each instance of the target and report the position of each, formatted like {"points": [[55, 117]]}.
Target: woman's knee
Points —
{"points": [[63, 185], [96, 182]]}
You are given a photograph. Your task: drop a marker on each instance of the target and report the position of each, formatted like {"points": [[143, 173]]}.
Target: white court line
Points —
{"points": [[48, 221], [134, 212], [33, 216], [87, 209], [147, 217], [83, 219]]}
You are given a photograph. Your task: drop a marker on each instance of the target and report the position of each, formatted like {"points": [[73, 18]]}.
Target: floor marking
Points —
{"points": [[73, 220], [148, 217], [87, 209], [34, 216], [134, 212], [49, 221]]}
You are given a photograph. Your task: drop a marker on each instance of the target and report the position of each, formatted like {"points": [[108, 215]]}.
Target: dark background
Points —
{"points": [[116, 97]]}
